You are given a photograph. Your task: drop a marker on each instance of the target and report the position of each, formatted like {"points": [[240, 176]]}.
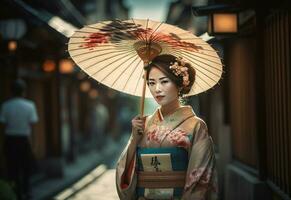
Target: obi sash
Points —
{"points": [[161, 172]]}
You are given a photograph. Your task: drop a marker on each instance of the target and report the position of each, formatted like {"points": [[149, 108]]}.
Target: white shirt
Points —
{"points": [[18, 114]]}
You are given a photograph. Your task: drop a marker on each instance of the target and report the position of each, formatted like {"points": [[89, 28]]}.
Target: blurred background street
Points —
{"points": [[81, 126]]}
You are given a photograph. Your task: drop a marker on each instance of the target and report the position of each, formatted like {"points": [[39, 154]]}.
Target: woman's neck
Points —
{"points": [[170, 108]]}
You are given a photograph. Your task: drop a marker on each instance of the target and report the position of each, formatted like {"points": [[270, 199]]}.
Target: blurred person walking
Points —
{"points": [[102, 118], [18, 116]]}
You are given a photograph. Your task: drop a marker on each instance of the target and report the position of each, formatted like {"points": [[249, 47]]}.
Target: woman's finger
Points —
{"points": [[137, 117], [138, 122]]}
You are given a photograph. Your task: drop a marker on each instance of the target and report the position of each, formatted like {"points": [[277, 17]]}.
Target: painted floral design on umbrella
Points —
{"points": [[107, 51]]}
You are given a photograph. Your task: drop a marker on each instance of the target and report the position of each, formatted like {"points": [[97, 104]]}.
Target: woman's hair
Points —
{"points": [[163, 63]]}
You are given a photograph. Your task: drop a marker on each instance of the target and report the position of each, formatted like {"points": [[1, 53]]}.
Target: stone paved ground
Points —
{"points": [[101, 189], [60, 189]]}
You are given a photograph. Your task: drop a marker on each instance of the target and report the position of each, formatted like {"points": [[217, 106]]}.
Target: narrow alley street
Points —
{"points": [[98, 181], [101, 189], [200, 90]]}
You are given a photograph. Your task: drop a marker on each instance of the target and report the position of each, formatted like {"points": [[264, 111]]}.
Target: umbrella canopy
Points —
{"points": [[115, 53]]}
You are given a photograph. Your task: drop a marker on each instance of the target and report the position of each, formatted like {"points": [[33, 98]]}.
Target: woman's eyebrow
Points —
{"points": [[163, 78], [151, 79]]}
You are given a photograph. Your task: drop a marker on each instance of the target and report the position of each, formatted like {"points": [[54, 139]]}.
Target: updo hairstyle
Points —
{"points": [[163, 63]]}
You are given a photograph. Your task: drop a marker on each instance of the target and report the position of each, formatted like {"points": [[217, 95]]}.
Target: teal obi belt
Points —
{"points": [[161, 172]]}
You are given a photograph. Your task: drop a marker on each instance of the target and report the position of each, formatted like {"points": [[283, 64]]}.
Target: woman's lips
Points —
{"points": [[159, 98]]}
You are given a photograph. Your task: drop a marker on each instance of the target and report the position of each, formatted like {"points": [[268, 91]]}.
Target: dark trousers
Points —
{"points": [[18, 159]]}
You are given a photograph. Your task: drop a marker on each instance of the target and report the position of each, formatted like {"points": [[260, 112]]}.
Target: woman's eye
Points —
{"points": [[164, 82], [151, 83]]}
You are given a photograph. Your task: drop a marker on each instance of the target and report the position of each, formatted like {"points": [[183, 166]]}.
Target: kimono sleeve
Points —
{"points": [[126, 179], [201, 178]]}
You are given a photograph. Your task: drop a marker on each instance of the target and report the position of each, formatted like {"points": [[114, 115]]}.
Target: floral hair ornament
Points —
{"points": [[179, 69]]}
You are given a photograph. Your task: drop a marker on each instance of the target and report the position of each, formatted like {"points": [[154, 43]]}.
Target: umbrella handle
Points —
{"points": [[143, 92]]}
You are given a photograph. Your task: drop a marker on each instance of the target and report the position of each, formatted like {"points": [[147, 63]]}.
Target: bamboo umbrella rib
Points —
{"points": [[117, 36], [146, 29], [197, 83], [214, 51], [84, 42], [136, 57], [197, 44], [78, 49], [178, 48], [104, 67], [179, 33], [157, 37], [84, 37], [193, 58], [201, 58], [96, 56], [104, 59], [190, 38], [101, 46], [134, 36], [102, 28], [116, 68], [193, 88], [136, 26], [98, 50], [133, 69], [197, 52], [155, 30], [205, 54], [112, 41], [198, 66], [109, 30], [198, 62], [168, 46], [199, 76]]}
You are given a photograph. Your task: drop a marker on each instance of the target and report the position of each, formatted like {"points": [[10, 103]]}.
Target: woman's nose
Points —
{"points": [[158, 88]]}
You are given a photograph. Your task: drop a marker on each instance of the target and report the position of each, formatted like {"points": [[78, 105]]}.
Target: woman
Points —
{"points": [[169, 154]]}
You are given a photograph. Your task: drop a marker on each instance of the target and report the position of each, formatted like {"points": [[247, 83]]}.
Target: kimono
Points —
{"points": [[181, 141]]}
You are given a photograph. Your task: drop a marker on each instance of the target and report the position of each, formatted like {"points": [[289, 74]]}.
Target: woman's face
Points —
{"points": [[163, 89]]}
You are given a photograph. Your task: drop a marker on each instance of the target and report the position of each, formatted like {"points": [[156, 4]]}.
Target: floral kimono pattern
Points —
{"points": [[179, 129]]}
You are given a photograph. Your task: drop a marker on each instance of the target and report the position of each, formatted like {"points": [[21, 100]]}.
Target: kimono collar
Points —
{"points": [[172, 119]]}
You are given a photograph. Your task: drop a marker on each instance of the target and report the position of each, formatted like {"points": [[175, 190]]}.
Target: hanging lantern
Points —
{"points": [[93, 94], [12, 46], [66, 66], [49, 65], [85, 86], [222, 19], [223, 23]]}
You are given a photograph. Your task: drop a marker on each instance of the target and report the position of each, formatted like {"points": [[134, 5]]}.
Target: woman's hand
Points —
{"points": [[138, 125]]}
